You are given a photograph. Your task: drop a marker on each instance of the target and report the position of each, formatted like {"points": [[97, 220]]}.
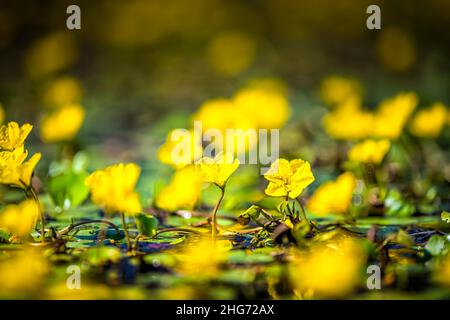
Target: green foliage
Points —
{"points": [[445, 216], [438, 245], [146, 224], [66, 185], [99, 256], [397, 205]]}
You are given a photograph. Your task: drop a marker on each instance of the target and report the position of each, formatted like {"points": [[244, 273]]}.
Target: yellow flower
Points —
{"points": [[268, 108], [51, 54], [62, 124], [217, 114], [14, 170], [22, 274], [2, 114], [183, 191], [336, 90], [63, 91], [231, 53], [288, 178], [113, 188], [442, 272], [268, 84], [334, 196], [181, 148], [429, 122], [12, 136], [328, 270], [202, 260], [392, 115], [217, 170], [396, 49], [348, 122], [369, 151], [19, 219]]}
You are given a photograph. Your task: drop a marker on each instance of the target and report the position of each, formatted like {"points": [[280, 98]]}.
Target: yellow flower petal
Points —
{"points": [[288, 178], [113, 188]]}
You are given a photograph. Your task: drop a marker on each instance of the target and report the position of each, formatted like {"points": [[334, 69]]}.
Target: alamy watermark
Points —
{"points": [[374, 277], [74, 279]]}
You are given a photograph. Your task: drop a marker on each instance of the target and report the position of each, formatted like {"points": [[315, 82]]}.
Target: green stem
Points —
{"points": [[184, 230], [71, 227], [127, 236], [31, 192], [214, 214], [302, 209]]}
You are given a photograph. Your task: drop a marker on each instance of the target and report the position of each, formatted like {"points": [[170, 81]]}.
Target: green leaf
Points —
{"points": [[4, 236], [437, 245], [251, 213], [248, 257], [146, 224], [68, 189], [397, 206], [445, 216], [99, 256], [403, 238]]}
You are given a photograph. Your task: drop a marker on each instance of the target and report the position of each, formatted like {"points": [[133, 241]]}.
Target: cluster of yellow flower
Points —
{"points": [[64, 117], [262, 104], [259, 106], [349, 121], [14, 170], [17, 172]]}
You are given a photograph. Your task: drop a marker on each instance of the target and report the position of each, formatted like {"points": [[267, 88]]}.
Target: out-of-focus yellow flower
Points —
{"points": [[12, 136], [113, 188], [429, 122], [217, 170], [2, 114], [85, 292], [288, 178], [328, 270], [202, 260], [333, 196], [21, 274], [14, 170], [442, 272], [63, 91], [268, 84], [336, 90], [392, 115], [181, 148], [51, 54], [62, 124], [348, 122], [231, 53], [217, 114], [396, 49], [235, 126], [268, 108], [183, 191], [19, 219], [369, 151]]}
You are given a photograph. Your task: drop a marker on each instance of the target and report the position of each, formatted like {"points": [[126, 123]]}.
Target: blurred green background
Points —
{"points": [[146, 65]]}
